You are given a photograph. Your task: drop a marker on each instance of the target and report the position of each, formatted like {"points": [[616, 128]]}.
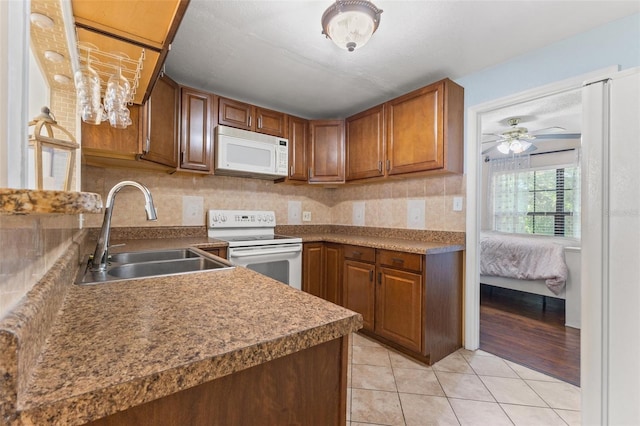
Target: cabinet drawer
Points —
{"points": [[365, 254], [401, 260]]}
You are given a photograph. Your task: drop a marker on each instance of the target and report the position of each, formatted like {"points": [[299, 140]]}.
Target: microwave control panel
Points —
{"points": [[282, 157]]}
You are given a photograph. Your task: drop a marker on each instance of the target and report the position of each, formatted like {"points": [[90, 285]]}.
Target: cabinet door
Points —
{"points": [[326, 151], [364, 135], [359, 290], [298, 141], [333, 273], [160, 128], [195, 141], [235, 114], [313, 269], [271, 122], [220, 252], [415, 131], [398, 315]]}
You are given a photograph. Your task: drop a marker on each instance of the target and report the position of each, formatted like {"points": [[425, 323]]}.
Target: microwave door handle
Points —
{"points": [[260, 252]]}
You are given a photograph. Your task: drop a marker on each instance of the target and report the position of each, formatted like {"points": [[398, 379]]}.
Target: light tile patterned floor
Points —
{"points": [[466, 388]]}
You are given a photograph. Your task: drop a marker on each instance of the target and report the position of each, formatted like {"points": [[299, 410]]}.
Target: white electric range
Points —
{"points": [[254, 244]]}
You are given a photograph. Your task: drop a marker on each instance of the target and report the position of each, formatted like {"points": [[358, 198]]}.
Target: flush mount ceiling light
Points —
{"points": [[42, 21], [350, 23]]}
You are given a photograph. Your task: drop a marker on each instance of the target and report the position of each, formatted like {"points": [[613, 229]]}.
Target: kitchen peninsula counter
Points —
{"points": [[386, 243], [119, 345]]}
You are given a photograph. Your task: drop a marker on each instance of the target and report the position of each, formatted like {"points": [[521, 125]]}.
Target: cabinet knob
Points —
{"points": [[380, 166], [249, 121], [371, 275], [379, 277]]}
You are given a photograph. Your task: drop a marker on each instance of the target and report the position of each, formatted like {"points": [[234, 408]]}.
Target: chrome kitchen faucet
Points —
{"points": [[101, 254]]}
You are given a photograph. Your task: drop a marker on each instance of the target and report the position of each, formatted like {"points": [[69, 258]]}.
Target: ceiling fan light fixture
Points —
{"points": [[503, 147], [350, 23]]}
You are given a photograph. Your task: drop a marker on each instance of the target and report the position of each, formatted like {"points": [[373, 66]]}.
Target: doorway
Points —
{"points": [[530, 198]]}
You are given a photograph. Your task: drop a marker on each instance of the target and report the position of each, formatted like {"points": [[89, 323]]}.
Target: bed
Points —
{"points": [[535, 264]]}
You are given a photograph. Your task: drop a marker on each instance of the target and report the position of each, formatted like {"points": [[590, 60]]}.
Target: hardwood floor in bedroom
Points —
{"points": [[514, 326]]}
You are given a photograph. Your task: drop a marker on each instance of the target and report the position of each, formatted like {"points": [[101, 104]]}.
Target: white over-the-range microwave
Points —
{"points": [[250, 154]]}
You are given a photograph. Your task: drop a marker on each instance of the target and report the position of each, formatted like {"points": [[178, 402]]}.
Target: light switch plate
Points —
{"points": [[295, 212], [192, 210], [457, 204], [358, 213], [415, 214]]}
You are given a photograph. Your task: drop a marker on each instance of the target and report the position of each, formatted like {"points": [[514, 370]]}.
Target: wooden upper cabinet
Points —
{"points": [[196, 130], [270, 122], [160, 124], [249, 117], [364, 133], [298, 145], [234, 113], [424, 130], [326, 151]]}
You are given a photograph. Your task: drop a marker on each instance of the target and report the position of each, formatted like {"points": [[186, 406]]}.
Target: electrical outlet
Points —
{"points": [[415, 214], [457, 204], [306, 216], [358, 213], [192, 210], [295, 212]]}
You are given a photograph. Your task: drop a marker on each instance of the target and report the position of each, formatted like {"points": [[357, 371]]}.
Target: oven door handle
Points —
{"points": [[260, 252]]}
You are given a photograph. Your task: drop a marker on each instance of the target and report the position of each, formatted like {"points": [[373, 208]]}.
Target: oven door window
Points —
{"points": [[280, 262], [277, 270]]}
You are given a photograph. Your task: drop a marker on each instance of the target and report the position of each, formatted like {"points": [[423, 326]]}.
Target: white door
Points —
{"points": [[611, 231]]}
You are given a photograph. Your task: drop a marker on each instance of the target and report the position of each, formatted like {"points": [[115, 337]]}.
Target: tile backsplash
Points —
{"points": [[385, 204]]}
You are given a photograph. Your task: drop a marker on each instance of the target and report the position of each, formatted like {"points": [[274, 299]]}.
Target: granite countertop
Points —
{"points": [[387, 243], [121, 344]]}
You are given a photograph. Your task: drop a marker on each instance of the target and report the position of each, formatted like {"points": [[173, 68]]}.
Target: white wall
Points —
{"points": [[14, 41]]}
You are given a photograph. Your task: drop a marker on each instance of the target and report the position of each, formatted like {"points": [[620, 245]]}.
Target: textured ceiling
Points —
{"points": [[272, 53]]}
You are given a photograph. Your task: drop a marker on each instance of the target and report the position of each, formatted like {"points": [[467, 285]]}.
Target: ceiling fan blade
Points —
{"points": [[489, 149], [559, 136], [547, 129]]}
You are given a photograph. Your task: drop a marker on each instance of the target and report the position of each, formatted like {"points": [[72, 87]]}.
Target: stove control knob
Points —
{"points": [[270, 218], [223, 218]]}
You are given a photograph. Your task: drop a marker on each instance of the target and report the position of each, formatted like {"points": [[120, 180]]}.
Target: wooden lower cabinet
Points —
{"points": [[313, 268], [322, 271], [409, 301], [399, 307], [359, 290], [218, 251], [308, 387]]}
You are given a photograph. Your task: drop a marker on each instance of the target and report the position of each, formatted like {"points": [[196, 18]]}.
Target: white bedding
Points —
{"points": [[524, 258]]}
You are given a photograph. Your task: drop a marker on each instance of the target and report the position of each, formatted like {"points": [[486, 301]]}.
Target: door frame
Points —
{"points": [[473, 218]]}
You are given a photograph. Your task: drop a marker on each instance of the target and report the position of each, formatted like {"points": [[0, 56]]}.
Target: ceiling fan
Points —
{"points": [[518, 139]]}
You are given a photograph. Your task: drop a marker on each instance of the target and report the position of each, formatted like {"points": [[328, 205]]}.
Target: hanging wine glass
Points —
{"points": [[116, 98], [88, 84]]}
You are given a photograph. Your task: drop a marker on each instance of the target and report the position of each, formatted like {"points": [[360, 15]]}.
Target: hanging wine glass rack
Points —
{"points": [[106, 64]]}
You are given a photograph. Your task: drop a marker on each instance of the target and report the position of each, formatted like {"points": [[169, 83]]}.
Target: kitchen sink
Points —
{"points": [[156, 263], [153, 256]]}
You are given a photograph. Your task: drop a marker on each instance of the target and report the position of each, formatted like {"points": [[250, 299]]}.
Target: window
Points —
{"points": [[537, 201]]}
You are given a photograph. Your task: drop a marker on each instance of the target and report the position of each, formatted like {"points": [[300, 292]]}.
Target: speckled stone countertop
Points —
{"points": [[396, 244], [121, 344], [28, 201]]}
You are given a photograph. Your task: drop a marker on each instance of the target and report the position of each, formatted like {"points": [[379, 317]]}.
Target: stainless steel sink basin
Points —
{"points": [[144, 264], [167, 267], [153, 256]]}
